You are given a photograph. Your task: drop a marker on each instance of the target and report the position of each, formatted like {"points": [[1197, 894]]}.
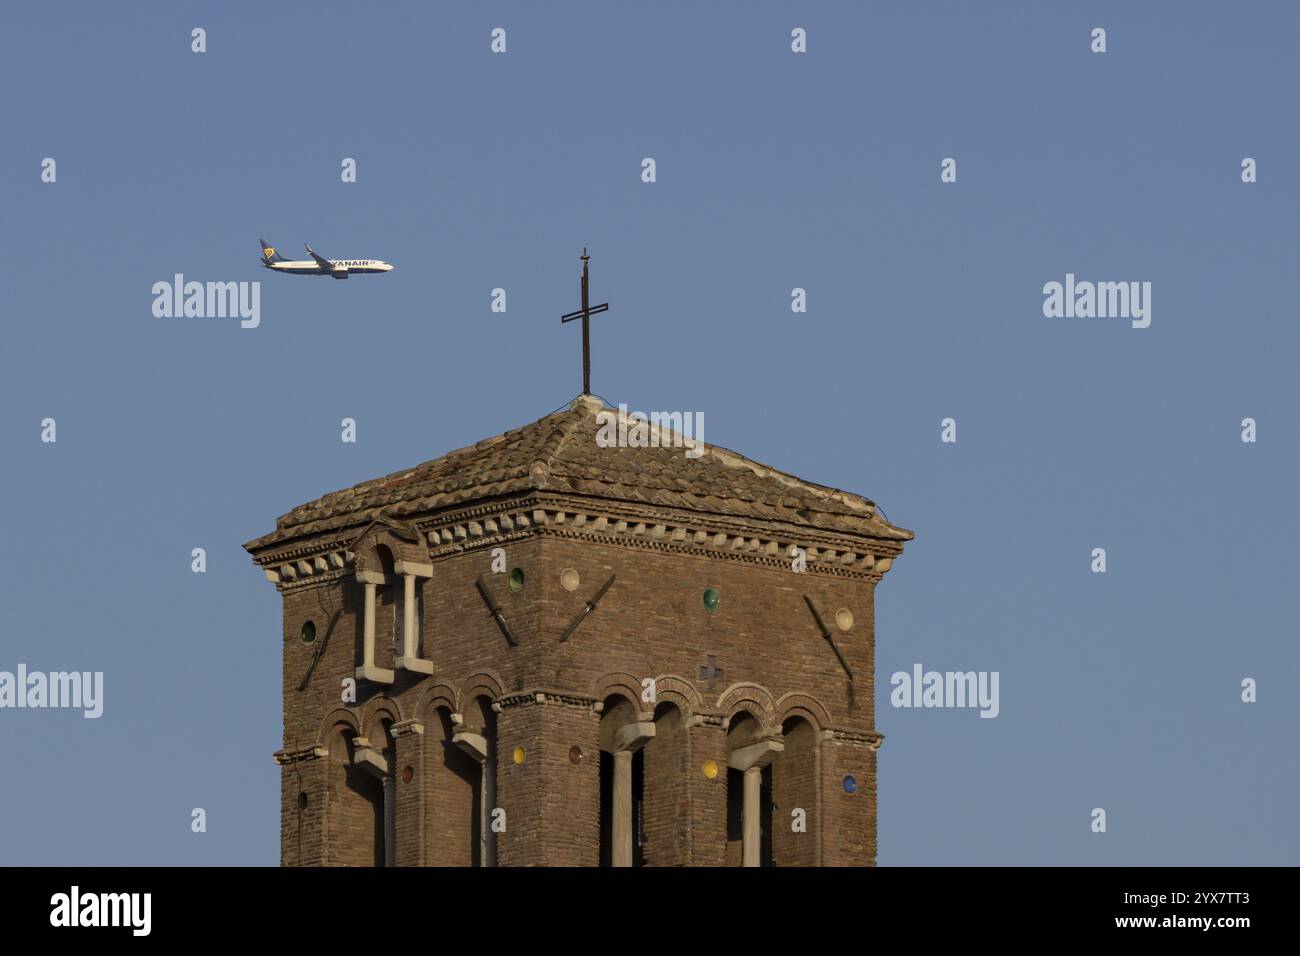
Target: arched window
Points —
{"points": [[622, 782], [476, 738], [356, 815], [375, 572], [794, 796], [452, 821], [749, 792], [665, 810]]}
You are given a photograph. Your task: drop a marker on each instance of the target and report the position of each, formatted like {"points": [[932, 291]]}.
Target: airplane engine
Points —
{"points": [[339, 272]]}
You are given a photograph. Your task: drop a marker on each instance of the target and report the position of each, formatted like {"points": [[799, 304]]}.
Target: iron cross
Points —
{"points": [[585, 313], [713, 671]]}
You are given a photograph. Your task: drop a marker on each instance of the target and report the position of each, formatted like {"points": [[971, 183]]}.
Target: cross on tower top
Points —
{"points": [[585, 313]]}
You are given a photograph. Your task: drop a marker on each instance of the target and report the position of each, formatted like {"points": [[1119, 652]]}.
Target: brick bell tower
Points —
{"points": [[539, 650]]}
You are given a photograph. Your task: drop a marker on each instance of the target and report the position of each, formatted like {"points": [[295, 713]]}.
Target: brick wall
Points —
{"points": [[708, 797], [795, 786], [409, 818], [849, 824], [450, 810], [302, 827], [652, 622], [520, 787], [762, 632], [353, 810]]}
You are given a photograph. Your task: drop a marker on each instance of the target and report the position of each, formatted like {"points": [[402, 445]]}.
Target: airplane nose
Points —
{"points": [[388, 267]]}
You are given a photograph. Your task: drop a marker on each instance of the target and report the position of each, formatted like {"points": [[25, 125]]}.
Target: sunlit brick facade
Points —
{"points": [[540, 651]]}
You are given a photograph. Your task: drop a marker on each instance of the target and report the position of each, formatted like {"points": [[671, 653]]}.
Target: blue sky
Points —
{"points": [[774, 171]]}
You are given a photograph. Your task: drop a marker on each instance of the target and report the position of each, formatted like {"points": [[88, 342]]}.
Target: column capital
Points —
{"points": [[475, 745], [404, 727], [755, 756], [632, 737], [369, 759]]}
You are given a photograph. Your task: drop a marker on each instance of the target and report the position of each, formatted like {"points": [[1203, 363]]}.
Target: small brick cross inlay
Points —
{"points": [[712, 672]]}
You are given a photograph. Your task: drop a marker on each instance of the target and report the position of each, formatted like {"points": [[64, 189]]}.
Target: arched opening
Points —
{"points": [[476, 738], [665, 811], [355, 828], [377, 623], [622, 782], [452, 811], [794, 796], [749, 792], [386, 770]]}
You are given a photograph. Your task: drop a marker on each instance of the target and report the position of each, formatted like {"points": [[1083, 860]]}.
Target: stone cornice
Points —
{"points": [[315, 752], [529, 698], [308, 564], [665, 529], [488, 525], [862, 738], [705, 718]]}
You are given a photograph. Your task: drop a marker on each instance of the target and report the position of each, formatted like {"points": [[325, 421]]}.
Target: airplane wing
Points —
{"points": [[320, 260]]}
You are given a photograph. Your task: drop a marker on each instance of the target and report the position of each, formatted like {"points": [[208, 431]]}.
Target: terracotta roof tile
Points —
{"points": [[718, 481]]}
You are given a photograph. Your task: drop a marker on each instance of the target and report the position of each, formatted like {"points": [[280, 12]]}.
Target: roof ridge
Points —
{"points": [[572, 421]]}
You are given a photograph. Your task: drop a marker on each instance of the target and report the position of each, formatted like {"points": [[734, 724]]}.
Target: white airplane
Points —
{"points": [[319, 265]]}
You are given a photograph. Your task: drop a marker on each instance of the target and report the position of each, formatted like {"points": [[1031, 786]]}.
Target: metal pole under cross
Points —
{"points": [[585, 313]]}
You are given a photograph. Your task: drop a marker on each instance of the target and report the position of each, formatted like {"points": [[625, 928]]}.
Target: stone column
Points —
{"points": [[368, 640], [488, 851], [751, 832], [751, 760], [408, 616], [390, 832], [368, 671], [622, 822], [628, 739], [408, 655]]}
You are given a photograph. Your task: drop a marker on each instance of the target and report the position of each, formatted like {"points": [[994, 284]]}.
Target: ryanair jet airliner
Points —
{"points": [[319, 265]]}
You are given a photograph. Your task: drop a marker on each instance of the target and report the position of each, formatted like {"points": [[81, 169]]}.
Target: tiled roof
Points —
{"points": [[560, 454]]}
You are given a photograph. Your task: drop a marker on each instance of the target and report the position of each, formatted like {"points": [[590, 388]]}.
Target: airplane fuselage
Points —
{"points": [[308, 267], [318, 265]]}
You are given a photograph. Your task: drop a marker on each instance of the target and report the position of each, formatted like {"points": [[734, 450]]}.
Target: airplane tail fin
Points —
{"points": [[269, 254]]}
